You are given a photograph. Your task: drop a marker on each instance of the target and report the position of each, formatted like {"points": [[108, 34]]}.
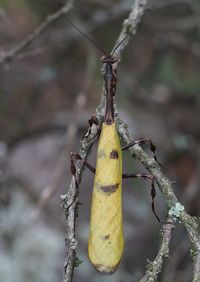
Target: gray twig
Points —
{"points": [[130, 24], [70, 205], [10, 55], [154, 267], [174, 207]]}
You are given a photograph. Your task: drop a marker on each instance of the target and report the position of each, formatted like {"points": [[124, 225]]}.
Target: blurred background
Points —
{"points": [[46, 97]]}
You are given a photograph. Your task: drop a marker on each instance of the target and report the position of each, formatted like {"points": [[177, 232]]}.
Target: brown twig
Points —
{"points": [[10, 55]]}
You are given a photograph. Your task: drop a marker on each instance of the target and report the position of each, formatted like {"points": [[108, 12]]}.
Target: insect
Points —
{"points": [[106, 243]]}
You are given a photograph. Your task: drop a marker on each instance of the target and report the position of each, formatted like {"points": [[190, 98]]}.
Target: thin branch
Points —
{"points": [[190, 223], [154, 267], [70, 203], [130, 24], [18, 49]]}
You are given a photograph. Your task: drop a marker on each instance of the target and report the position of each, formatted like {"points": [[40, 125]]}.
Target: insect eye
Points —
{"points": [[103, 59]]}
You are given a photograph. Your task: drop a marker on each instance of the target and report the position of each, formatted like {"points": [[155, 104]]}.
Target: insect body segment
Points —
{"points": [[106, 232], [110, 78]]}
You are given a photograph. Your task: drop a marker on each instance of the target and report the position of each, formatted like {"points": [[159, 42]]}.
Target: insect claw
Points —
{"points": [[75, 156], [91, 121], [78, 157], [95, 120]]}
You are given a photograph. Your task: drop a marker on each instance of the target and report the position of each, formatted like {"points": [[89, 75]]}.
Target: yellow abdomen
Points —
{"points": [[105, 246]]}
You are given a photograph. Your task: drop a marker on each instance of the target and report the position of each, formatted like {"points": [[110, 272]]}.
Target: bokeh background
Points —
{"points": [[48, 93]]}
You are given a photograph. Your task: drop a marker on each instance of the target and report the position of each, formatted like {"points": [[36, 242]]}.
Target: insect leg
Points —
{"points": [[73, 168], [144, 141], [91, 121], [78, 157], [73, 157], [153, 190]]}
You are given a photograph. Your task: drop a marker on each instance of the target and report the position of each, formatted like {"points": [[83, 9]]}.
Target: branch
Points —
{"points": [[130, 24], [174, 207], [154, 268], [70, 204], [18, 49]]}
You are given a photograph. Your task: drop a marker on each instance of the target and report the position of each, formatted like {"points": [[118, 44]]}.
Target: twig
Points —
{"points": [[69, 203], [18, 49], [164, 184], [130, 24], [154, 267]]}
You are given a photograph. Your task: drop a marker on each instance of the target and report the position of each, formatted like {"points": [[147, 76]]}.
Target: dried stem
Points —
{"points": [[154, 267]]}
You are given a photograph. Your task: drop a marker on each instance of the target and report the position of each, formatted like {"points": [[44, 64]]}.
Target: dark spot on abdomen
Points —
{"points": [[106, 237], [110, 188], [114, 154]]}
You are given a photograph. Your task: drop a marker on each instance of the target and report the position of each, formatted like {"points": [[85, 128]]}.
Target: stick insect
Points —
{"points": [[106, 243]]}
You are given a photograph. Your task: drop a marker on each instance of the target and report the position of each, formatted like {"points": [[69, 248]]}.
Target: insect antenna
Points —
{"points": [[133, 29], [88, 38], [127, 35]]}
